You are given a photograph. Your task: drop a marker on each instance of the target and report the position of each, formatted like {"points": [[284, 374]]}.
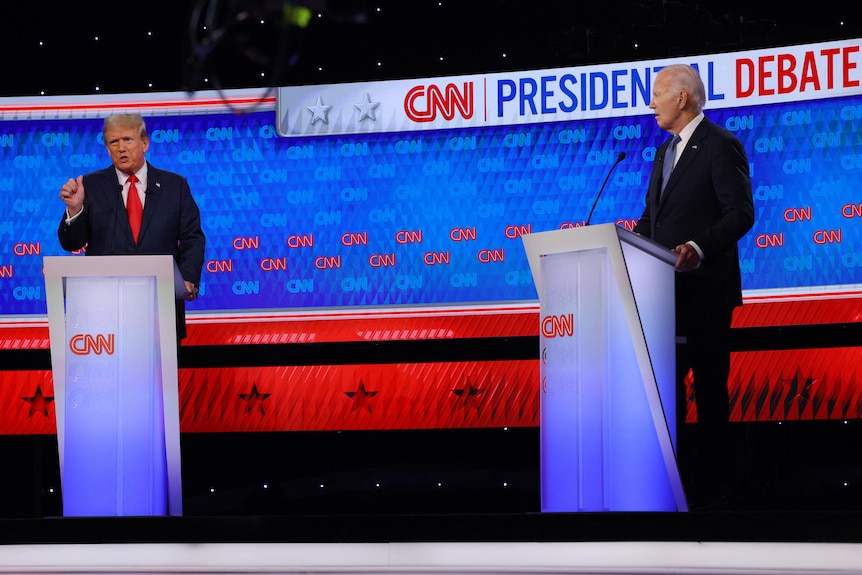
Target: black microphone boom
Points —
{"points": [[620, 158]]}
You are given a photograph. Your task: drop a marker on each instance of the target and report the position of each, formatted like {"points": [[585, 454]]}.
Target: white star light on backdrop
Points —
{"points": [[319, 112], [366, 109]]}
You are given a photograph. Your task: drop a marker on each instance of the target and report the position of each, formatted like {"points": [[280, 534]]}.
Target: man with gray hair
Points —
{"points": [[699, 204]]}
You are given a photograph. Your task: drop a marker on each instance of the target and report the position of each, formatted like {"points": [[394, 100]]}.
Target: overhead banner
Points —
{"points": [[590, 92]]}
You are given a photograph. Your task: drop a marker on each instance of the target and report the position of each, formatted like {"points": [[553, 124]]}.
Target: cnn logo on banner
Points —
{"points": [[423, 103]]}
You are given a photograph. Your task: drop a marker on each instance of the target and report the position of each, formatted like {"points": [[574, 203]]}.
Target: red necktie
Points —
{"points": [[134, 207]]}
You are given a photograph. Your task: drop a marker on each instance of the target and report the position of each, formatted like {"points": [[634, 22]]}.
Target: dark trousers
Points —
{"points": [[705, 447]]}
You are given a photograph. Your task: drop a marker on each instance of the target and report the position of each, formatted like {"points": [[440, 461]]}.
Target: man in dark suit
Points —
{"points": [[700, 212], [96, 217]]}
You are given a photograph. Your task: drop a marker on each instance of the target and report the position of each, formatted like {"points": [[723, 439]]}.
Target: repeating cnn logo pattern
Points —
{"points": [[434, 217]]}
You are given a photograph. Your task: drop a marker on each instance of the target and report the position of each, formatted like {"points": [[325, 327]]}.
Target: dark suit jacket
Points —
{"points": [[707, 200], [171, 224]]}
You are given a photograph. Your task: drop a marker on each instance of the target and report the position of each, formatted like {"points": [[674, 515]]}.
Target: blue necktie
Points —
{"points": [[669, 157]]}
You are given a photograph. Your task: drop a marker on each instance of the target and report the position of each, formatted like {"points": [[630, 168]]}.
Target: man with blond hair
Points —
{"points": [[99, 208]]}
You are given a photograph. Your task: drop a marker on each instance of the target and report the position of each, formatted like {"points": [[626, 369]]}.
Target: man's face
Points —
{"points": [[666, 103], [126, 148]]}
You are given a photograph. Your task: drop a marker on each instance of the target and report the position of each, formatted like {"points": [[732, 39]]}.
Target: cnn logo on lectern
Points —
{"points": [[558, 325], [86, 344]]}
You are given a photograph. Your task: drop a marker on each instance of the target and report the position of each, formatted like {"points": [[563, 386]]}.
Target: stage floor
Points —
{"points": [[678, 543]]}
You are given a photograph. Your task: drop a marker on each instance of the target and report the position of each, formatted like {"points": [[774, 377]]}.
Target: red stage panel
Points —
{"points": [[796, 384], [389, 325], [777, 312], [764, 385], [361, 397], [317, 398], [31, 336], [27, 403]]}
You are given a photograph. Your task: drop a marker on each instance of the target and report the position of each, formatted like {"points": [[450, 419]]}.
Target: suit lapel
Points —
{"points": [[114, 192], [154, 194], [692, 147], [658, 195]]}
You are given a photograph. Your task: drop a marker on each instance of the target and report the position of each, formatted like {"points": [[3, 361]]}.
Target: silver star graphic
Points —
{"points": [[366, 109], [319, 112]]}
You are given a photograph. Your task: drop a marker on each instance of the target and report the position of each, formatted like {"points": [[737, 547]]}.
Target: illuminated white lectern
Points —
{"points": [[607, 334], [112, 326]]}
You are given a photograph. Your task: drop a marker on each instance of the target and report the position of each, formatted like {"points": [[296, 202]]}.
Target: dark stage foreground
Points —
{"points": [[796, 510]]}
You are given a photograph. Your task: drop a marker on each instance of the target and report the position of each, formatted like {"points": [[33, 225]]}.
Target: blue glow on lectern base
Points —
{"points": [[114, 460], [600, 447]]}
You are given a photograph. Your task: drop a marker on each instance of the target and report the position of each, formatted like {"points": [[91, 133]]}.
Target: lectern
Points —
{"points": [[112, 328], [607, 337]]}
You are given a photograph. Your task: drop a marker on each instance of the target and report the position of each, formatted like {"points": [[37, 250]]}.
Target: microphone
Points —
{"points": [[620, 158], [116, 211]]}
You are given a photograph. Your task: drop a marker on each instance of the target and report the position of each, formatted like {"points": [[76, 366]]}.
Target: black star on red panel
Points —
{"points": [[469, 395], [799, 389], [361, 398], [38, 402], [254, 400]]}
